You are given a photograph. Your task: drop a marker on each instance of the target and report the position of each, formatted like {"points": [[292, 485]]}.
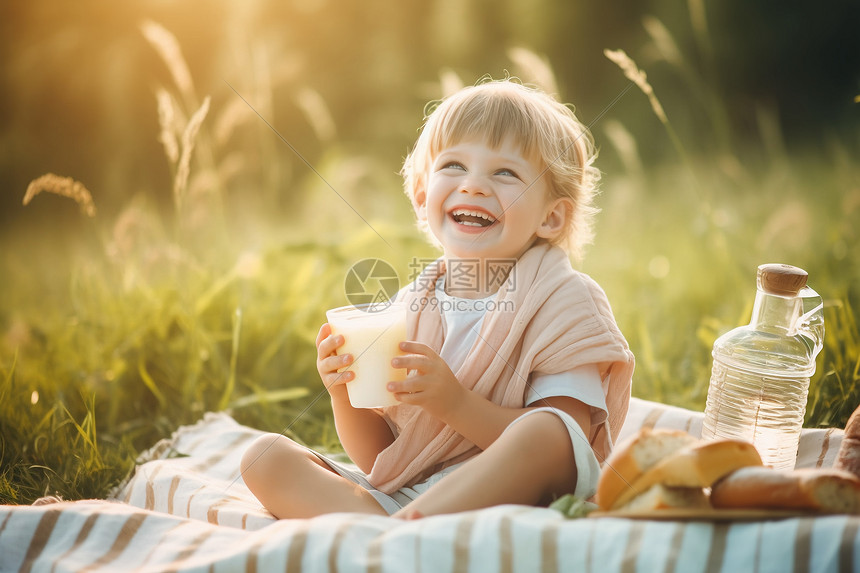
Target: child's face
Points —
{"points": [[483, 203]]}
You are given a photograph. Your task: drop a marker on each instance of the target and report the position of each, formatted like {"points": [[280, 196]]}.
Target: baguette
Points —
{"points": [[632, 458], [823, 490], [696, 466], [848, 458]]}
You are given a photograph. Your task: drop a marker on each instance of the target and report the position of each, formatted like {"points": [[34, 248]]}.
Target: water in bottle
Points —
{"points": [[761, 371]]}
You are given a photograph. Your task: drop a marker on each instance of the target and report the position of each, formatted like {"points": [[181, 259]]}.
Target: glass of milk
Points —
{"points": [[372, 333]]}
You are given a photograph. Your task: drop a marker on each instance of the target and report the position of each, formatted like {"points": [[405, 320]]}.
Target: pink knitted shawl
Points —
{"points": [[561, 320]]}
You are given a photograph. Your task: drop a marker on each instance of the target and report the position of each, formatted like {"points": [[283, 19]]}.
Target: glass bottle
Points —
{"points": [[760, 377]]}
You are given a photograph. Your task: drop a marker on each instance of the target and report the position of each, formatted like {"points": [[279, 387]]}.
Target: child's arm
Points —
{"points": [[362, 432], [437, 390]]}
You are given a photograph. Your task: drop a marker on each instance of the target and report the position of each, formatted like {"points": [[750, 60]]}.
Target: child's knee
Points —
{"points": [[554, 459], [541, 427], [265, 455]]}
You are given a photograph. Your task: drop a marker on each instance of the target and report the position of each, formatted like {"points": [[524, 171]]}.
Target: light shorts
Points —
{"points": [[587, 468]]}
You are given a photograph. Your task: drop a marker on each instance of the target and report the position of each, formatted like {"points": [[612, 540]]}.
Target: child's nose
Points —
{"points": [[474, 186]]}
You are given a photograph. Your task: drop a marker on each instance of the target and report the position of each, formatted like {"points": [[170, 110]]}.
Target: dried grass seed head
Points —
{"points": [[65, 187], [167, 122], [189, 137], [167, 46], [638, 77]]}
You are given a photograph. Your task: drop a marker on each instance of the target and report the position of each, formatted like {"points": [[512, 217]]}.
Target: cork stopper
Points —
{"points": [[782, 280]]}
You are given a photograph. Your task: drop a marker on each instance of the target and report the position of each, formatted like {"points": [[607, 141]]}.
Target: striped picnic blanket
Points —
{"points": [[186, 509]]}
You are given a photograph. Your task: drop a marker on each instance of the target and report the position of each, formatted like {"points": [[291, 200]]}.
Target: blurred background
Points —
{"points": [[240, 156], [79, 80]]}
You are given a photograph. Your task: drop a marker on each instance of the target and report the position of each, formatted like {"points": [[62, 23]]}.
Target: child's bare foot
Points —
{"points": [[408, 514]]}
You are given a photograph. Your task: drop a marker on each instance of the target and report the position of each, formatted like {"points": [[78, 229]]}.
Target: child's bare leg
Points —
{"points": [[293, 483], [529, 464]]}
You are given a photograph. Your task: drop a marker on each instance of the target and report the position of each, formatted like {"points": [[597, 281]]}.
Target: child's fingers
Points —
{"points": [[413, 362], [414, 398], [328, 345], [325, 330], [416, 348], [333, 378], [332, 363], [409, 386], [328, 362]]}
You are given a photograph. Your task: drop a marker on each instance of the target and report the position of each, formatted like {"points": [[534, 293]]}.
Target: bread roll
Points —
{"points": [[848, 458], [696, 466], [825, 490], [659, 496], [630, 459]]}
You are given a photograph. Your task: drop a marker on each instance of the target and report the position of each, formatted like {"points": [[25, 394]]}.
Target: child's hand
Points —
{"points": [[432, 385], [328, 362]]}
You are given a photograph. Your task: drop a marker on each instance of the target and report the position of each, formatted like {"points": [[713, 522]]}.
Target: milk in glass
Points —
{"points": [[372, 334]]}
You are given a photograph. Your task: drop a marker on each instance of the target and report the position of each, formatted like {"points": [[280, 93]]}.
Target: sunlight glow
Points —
{"points": [[658, 267]]}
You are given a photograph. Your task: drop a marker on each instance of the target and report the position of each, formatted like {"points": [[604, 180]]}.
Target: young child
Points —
{"points": [[519, 377]]}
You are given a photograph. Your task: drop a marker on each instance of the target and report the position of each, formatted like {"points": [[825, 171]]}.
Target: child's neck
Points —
{"points": [[475, 278]]}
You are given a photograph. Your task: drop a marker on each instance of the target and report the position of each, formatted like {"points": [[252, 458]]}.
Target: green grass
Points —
{"points": [[120, 351], [120, 329], [678, 278], [114, 353]]}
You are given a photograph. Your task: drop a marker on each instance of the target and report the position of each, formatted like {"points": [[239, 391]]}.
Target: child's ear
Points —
{"points": [[559, 213], [419, 202]]}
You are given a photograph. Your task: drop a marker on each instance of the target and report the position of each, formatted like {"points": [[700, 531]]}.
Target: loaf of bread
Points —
{"points": [[696, 466], [824, 490], [630, 459], [662, 469], [660, 496], [848, 458]]}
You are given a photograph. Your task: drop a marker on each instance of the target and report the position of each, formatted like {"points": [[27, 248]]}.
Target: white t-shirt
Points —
{"points": [[461, 323]]}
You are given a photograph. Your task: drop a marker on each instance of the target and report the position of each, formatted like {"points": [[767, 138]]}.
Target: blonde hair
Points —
{"points": [[498, 109]]}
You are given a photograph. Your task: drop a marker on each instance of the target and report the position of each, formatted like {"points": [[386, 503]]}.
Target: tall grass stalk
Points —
{"points": [[835, 392], [633, 73], [234, 357]]}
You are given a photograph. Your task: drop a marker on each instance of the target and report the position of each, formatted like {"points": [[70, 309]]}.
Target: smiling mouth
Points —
{"points": [[472, 218]]}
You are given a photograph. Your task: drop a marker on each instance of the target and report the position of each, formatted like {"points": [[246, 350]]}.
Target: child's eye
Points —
{"points": [[507, 173], [454, 165]]}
